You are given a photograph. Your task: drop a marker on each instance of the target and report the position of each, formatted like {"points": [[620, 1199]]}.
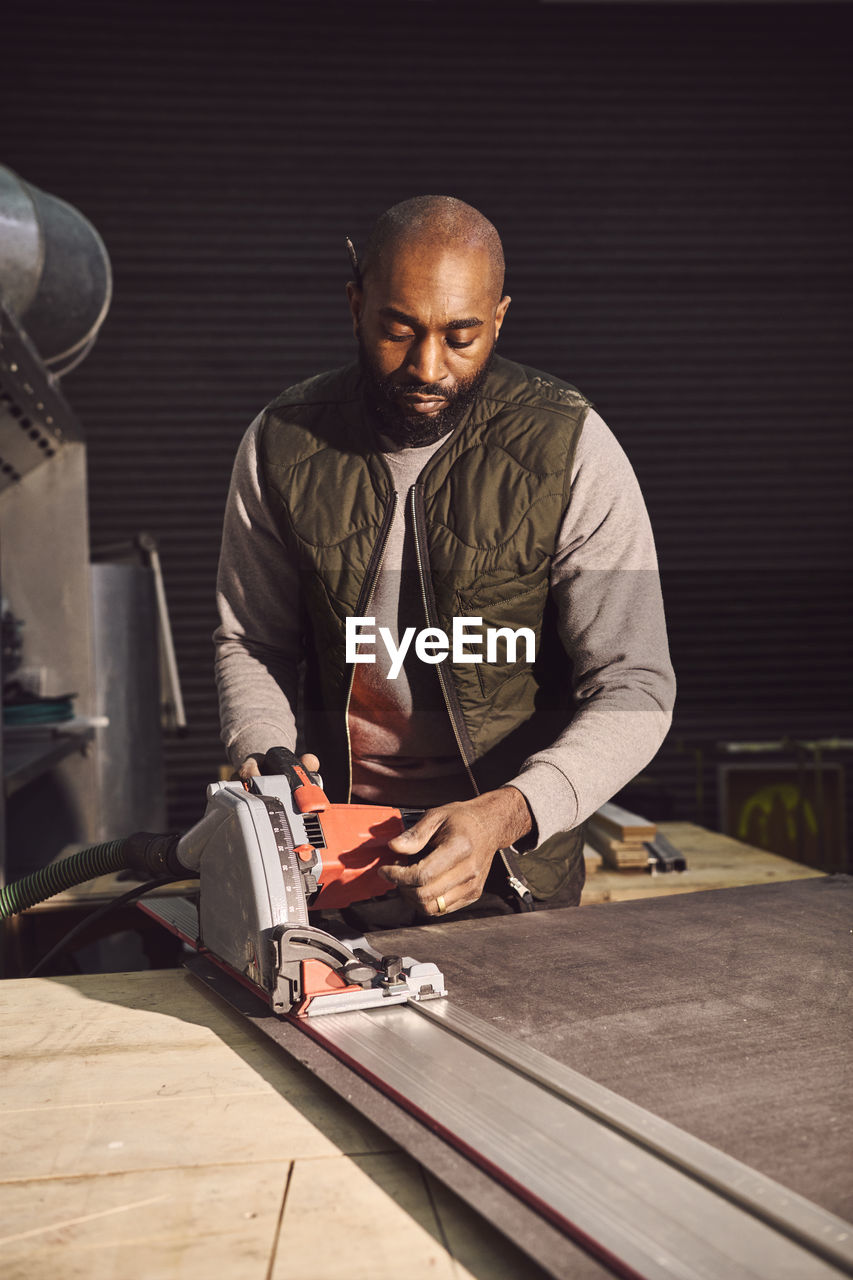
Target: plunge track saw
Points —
{"points": [[266, 853]]}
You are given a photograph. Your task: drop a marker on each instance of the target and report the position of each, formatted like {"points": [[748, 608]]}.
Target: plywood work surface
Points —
{"points": [[714, 861], [148, 1132]]}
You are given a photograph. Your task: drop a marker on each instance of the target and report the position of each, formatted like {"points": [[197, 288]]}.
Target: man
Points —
{"points": [[430, 483]]}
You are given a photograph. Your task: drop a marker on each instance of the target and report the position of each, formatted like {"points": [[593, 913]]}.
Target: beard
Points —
{"points": [[408, 430]]}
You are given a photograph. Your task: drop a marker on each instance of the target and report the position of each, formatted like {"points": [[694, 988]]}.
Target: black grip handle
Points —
{"points": [[304, 786], [282, 761]]}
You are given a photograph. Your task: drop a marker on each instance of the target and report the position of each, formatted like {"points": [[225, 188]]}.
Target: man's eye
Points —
{"points": [[398, 337], [457, 345]]}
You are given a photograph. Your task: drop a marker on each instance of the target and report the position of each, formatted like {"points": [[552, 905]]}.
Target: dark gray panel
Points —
{"points": [[727, 1013]]}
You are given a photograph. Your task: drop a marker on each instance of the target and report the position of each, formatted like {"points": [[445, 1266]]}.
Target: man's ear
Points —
{"points": [[500, 312], [355, 297]]}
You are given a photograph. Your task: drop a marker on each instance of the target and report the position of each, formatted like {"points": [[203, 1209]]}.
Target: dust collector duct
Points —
{"points": [[54, 272]]}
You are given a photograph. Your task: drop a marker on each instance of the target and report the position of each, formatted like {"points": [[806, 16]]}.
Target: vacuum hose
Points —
{"points": [[151, 856]]}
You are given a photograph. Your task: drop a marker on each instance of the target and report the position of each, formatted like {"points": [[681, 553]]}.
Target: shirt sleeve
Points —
{"points": [[258, 640], [606, 586]]}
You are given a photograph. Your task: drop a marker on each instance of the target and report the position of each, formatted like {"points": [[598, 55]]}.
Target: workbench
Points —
{"points": [[149, 1131]]}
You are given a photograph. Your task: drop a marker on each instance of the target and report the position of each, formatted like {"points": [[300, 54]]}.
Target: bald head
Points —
{"points": [[430, 224], [427, 310]]}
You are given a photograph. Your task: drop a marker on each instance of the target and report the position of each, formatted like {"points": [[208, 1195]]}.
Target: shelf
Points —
{"points": [[30, 751]]}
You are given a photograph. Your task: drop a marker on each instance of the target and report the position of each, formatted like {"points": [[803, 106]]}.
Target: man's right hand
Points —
{"points": [[251, 768]]}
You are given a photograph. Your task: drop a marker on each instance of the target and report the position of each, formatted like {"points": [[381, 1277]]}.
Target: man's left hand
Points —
{"points": [[464, 838]]}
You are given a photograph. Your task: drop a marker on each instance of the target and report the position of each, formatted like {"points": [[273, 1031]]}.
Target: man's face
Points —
{"points": [[426, 324]]}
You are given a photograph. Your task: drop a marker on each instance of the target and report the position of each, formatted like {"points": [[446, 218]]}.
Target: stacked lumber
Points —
{"points": [[620, 836]]}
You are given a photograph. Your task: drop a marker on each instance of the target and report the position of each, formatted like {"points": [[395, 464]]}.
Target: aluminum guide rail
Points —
{"points": [[639, 1193], [787, 1212]]}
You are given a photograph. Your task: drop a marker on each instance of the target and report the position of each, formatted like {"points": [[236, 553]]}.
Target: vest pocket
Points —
{"points": [[516, 608]]}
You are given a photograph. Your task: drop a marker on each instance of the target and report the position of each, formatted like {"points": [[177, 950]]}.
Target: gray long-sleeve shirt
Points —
{"points": [[604, 581]]}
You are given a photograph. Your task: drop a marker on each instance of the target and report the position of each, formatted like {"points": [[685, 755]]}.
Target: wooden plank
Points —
{"points": [[617, 853], [378, 1217], [369, 1218], [714, 861], [196, 1085], [622, 824], [175, 1224], [33, 1082], [122, 1138], [67, 1014]]}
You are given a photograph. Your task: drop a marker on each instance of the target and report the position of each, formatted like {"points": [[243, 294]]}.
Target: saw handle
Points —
{"points": [[307, 796]]}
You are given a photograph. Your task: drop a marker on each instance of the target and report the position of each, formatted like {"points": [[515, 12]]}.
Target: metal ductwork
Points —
{"points": [[54, 272], [55, 291]]}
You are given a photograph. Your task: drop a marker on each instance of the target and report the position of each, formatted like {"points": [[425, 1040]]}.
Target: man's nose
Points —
{"points": [[426, 359]]}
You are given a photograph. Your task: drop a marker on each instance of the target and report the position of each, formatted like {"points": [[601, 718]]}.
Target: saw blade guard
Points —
{"points": [[245, 891]]}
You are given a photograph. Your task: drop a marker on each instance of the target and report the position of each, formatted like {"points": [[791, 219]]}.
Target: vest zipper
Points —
{"points": [[451, 700], [365, 596]]}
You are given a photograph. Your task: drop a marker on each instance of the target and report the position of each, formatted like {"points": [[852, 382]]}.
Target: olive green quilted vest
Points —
{"points": [[487, 510]]}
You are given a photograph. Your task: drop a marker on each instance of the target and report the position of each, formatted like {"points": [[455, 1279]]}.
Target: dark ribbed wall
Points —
{"points": [[673, 188]]}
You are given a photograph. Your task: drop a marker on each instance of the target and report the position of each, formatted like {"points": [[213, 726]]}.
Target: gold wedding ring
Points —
{"points": [[441, 904]]}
